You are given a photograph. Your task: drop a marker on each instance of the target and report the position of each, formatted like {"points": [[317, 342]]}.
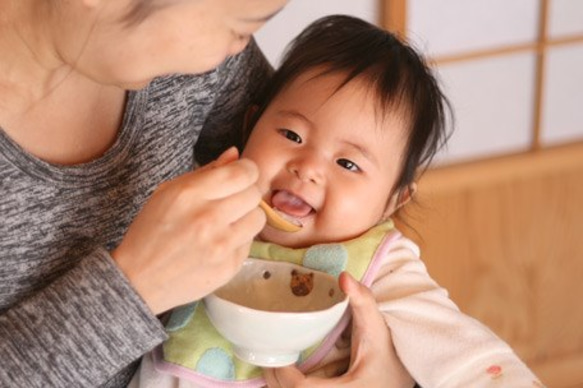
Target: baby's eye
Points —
{"points": [[291, 135], [347, 164]]}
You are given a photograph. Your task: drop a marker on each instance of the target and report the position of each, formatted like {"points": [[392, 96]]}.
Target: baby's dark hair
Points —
{"points": [[395, 71]]}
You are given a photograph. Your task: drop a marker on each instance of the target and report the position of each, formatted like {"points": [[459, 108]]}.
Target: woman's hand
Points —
{"points": [[373, 361], [193, 234]]}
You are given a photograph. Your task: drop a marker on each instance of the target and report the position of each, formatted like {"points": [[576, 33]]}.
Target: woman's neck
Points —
{"points": [[29, 55], [46, 107], [75, 122]]}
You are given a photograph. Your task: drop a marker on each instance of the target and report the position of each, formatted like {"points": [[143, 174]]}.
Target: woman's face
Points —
{"points": [[177, 36]]}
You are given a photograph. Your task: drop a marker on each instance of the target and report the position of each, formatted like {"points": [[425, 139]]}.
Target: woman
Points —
{"points": [[104, 226]]}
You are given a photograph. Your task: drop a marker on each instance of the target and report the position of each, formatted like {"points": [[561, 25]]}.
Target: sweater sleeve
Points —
{"points": [[68, 316], [79, 331], [438, 344]]}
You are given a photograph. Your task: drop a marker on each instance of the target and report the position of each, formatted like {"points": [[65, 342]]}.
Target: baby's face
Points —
{"points": [[326, 159]]}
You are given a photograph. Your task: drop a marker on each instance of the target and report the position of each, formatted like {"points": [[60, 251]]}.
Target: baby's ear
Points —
{"points": [[249, 116], [246, 130], [399, 199]]}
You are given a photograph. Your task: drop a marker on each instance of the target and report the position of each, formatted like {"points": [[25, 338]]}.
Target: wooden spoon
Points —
{"points": [[275, 220]]}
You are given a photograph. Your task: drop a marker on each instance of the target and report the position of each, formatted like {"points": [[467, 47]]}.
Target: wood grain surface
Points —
{"points": [[505, 237]]}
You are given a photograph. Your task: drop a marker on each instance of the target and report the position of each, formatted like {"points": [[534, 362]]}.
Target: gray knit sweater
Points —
{"points": [[68, 316]]}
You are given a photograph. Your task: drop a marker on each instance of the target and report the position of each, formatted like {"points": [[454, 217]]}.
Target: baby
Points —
{"points": [[340, 136]]}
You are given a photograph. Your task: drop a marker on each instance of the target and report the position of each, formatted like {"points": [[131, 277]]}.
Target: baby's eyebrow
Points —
{"points": [[362, 150], [294, 114]]}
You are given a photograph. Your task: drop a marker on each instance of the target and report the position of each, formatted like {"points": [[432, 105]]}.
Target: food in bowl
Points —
{"points": [[272, 311]]}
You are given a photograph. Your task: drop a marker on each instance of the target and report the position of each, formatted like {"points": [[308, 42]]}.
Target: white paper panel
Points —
{"points": [[279, 31], [565, 18], [493, 105], [445, 27], [562, 119]]}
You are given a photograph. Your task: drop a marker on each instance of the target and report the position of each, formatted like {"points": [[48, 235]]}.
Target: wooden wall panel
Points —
{"points": [[393, 16], [505, 237]]}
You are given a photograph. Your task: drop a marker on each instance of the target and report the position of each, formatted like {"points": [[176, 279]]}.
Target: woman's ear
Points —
{"points": [[399, 199]]}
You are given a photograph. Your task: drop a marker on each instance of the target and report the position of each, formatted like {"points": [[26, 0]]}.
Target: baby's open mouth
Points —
{"points": [[290, 206]]}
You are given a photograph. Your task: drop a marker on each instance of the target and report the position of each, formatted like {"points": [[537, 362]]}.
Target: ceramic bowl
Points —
{"points": [[272, 311]]}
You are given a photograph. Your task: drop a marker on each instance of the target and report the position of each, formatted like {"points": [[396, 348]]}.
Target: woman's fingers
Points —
{"points": [[216, 182], [291, 377], [221, 178], [373, 361], [283, 377], [234, 209], [228, 156], [369, 330], [372, 346], [193, 234], [248, 225]]}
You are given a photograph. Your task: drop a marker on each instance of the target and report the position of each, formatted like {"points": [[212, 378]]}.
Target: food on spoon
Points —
{"points": [[275, 220]]}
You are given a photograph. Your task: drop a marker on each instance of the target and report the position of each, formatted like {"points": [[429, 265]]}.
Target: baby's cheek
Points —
{"points": [[348, 207], [340, 224]]}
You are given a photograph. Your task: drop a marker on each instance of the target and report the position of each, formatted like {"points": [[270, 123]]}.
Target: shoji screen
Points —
{"points": [[512, 68]]}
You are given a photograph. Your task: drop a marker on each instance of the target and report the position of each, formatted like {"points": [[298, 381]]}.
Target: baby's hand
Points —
{"points": [[193, 234]]}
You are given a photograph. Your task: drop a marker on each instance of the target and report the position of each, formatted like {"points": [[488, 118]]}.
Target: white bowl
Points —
{"points": [[268, 324]]}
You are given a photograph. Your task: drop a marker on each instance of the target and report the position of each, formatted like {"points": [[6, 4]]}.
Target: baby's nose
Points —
{"points": [[308, 169]]}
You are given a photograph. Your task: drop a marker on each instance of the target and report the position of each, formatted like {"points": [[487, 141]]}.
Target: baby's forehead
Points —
{"points": [[387, 119], [390, 112], [389, 101]]}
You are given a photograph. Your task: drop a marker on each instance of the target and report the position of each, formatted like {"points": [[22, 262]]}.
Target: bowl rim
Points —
{"points": [[344, 301], [277, 263]]}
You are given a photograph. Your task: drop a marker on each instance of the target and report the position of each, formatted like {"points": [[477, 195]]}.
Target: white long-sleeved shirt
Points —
{"points": [[438, 344]]}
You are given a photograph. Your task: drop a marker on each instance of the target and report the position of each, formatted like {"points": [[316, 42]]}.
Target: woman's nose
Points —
{"points": [[239, 44]]}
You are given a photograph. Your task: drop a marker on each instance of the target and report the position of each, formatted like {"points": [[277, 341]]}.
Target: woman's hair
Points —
{"points": [[398, 75]]}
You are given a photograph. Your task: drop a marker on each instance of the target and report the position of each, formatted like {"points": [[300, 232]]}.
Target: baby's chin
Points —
{"points": [[301, 239], [307, 236]]}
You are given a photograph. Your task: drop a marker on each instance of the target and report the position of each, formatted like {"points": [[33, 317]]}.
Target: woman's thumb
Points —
{"points": [[228, 156]]}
